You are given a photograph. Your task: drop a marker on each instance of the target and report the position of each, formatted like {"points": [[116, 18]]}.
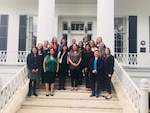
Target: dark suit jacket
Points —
{"points": [[33, 62], [99, 65], [109, 65]]}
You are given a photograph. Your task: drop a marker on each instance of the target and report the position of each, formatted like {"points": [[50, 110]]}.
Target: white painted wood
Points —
{"points": [[13, 37], [46, 16], [144, 96], [105, 22]]}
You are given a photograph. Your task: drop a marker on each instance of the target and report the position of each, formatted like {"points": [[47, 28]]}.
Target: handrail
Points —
{"points": [[131, 90], [8, 91]]}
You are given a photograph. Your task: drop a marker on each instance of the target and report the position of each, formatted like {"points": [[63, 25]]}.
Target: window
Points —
{"points": [[3, 31], [89, 26], [120, 35], [77, 26], [65, 26], [22, 33], [65, 36], [89, 37]]}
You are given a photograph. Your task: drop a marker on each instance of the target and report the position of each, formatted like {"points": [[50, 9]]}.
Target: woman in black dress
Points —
{"points": [[63, 67], [87, 55], [81, 48], [108, 71], [33, 65]]}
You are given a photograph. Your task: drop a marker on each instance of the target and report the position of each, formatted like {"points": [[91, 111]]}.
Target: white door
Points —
{"points": [[76, 28]]}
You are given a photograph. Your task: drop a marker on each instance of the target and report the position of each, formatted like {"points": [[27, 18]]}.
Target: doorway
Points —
{"points": [[76, 28]]}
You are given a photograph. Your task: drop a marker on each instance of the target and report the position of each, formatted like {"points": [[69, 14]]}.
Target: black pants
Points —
{"points": [[103, 82], [108, 83], [80, 77], [32, 86], [74, 77], [62, 79], [87, 79], [95, 83]]}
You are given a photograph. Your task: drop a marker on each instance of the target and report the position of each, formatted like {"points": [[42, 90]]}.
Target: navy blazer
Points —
{"points": [[100, 63], [109, 65], [33, 62]]}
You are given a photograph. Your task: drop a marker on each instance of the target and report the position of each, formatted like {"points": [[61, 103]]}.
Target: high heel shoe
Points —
{"points": [[52, 94], [76, 89], [72, 88], [108, 97]]}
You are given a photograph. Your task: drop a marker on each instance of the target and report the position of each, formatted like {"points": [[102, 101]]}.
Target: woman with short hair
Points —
{"points": [[96, 67]]}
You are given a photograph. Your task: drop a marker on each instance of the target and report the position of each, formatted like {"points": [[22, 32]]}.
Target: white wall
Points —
{"points": [[19, 6], [141, 9], [76, 9]]}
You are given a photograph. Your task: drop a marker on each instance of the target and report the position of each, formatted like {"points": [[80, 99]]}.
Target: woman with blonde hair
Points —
{"points": [[93, 45], [108, 71]]}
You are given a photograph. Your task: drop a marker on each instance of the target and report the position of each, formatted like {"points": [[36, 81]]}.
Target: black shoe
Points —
{"points": [[59, 88], [52, 94], [97, 96], [63, 88], [29, 94], [35, 94], [92, 95], [47, 94]]}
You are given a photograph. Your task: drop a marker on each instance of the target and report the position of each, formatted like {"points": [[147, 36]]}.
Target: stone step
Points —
{"points": [[68, 89], [64, 103], [69, 96], [68, 110]]}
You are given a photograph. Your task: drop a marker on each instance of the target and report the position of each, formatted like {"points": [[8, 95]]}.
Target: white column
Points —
{"points": [[46, 16], [13, 38], [105, 22], [0, 91], [56, 26], [144, 96]]}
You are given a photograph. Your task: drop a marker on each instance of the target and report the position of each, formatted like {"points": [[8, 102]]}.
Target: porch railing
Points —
{"points": [[133, 59], [8, 91], [3, 56], [13, 57], [134, 94]]}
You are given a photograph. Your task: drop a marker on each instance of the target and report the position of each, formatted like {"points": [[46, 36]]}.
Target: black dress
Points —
{"points": [[85, 63], [63, 69]]}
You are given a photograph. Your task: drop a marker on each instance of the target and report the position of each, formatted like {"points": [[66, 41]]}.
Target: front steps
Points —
{"points": [[67, 101]]}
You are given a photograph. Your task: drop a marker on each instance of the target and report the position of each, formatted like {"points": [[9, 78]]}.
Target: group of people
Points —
{"points": [[88, 60]]}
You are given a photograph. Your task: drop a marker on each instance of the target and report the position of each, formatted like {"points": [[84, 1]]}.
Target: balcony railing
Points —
{"points": [[133, 59], [13, 57], [8, 91]]}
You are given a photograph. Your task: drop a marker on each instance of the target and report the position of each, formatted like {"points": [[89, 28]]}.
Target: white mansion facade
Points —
{"points": [[124, 25]]}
